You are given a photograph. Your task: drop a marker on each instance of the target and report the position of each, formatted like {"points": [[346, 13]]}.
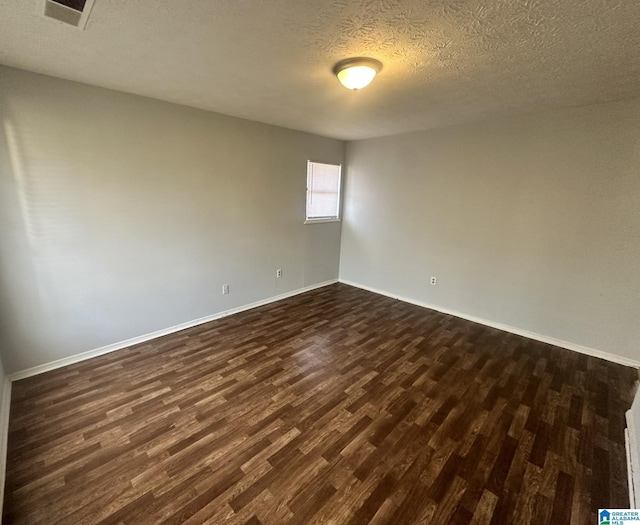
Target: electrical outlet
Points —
{"points": [[225, 289], [278, 273], [433, 280]]}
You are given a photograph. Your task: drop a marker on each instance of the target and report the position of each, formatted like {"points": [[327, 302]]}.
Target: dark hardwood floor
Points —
{"points": [[337, 406]]}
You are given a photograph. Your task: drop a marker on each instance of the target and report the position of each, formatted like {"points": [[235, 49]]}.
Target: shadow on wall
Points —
{"points": [[18, 248]]}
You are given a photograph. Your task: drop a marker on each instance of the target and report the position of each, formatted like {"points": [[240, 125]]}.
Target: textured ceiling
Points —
{"points": [[445, 61]]}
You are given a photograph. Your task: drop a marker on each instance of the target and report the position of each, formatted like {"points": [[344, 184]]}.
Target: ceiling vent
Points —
{"points": [[74, 12]]}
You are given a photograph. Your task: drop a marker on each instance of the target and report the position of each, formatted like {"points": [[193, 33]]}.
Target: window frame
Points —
{"points": [[319, 220]]}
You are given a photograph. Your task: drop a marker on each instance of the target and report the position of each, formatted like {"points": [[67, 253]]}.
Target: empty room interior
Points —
{"points": [[319, 262]]}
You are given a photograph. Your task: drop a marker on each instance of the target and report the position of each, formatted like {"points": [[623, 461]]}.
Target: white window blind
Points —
{"points": [[323, 191]]}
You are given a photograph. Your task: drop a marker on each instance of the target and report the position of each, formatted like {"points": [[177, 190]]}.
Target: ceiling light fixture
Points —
{"points": [[356, 73]]}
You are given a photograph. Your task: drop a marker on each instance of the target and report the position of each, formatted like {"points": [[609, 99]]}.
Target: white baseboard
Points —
{"points": [[631, 465], [506, 328], [632, 444], [5, 406], [40, 369]]}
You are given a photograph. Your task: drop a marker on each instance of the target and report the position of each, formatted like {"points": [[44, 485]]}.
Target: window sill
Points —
{"points": [[318, 221]]}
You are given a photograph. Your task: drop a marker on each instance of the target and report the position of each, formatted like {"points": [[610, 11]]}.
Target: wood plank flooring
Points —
{"points": [[337, 406]]}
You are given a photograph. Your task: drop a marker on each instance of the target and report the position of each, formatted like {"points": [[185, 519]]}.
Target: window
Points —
{"points": [[323, 192]]}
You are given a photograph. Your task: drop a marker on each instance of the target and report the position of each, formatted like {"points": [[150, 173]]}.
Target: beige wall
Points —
{"points": [[530, 222], [121, 215]]}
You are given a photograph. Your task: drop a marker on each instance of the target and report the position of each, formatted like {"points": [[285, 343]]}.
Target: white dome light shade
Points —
{"points": [[356, 73], [356, 77]]}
